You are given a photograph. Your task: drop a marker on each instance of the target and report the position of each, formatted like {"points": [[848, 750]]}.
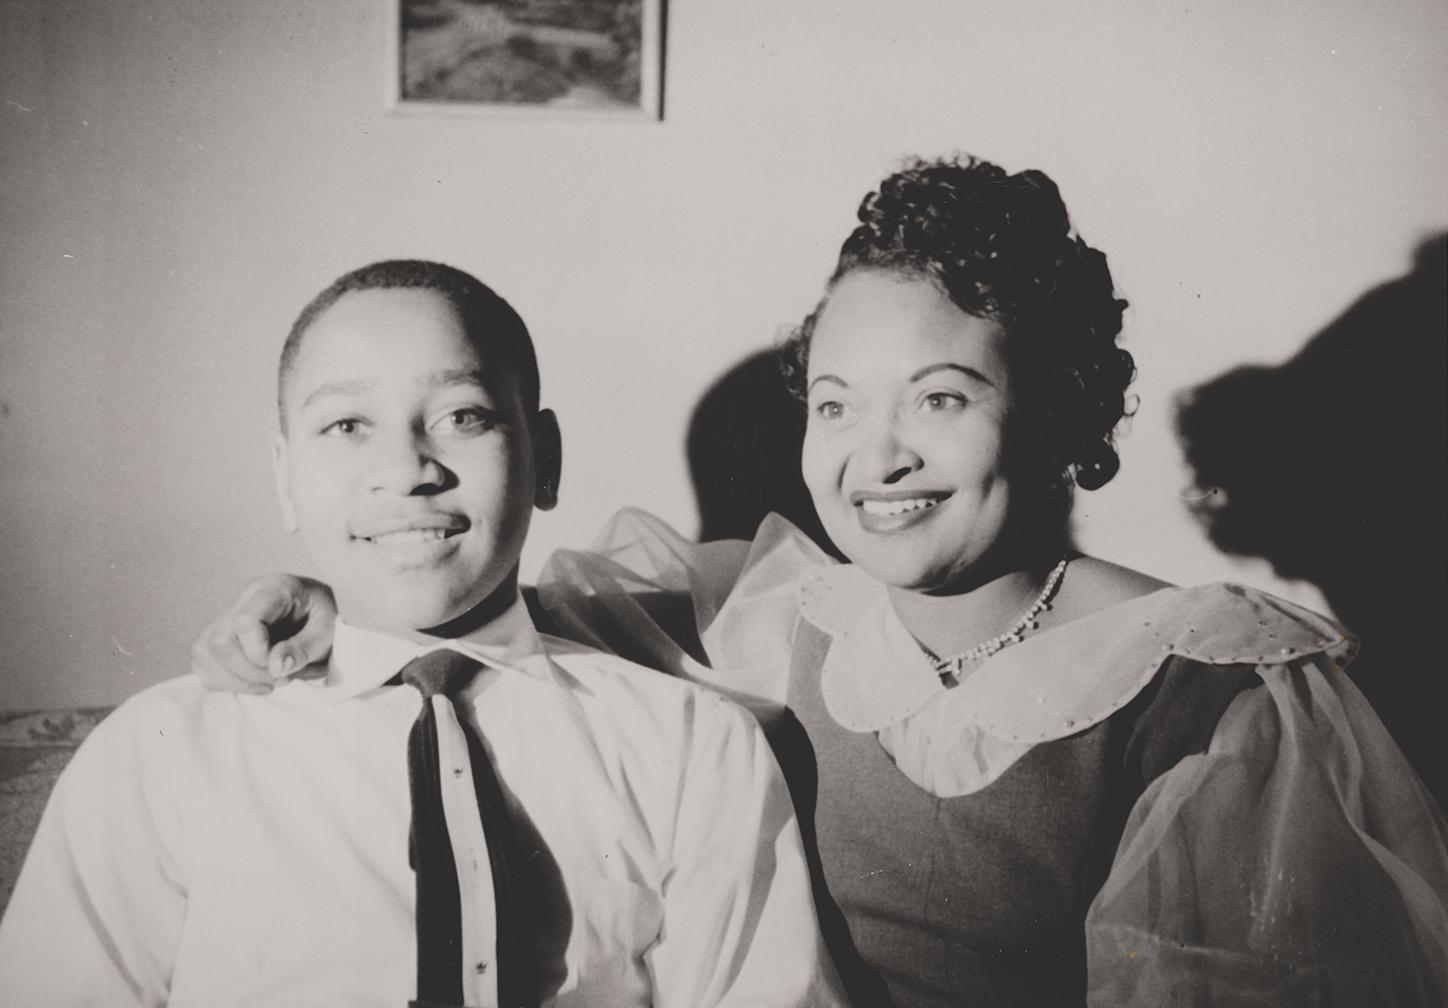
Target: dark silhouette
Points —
{"points": [[744, 444], [1332, 467]]}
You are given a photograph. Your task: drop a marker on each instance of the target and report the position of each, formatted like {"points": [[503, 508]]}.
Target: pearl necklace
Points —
{"points": [[953, 665]]}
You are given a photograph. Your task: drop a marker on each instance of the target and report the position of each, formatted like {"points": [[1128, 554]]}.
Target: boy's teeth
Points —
{"points": [[885, 509], [409, 536]]}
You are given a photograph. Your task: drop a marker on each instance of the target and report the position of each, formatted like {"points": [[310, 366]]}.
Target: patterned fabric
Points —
{"points": [[34, 747], [30, 729]]}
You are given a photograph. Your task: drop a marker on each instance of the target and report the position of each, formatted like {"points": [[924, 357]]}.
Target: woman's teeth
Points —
{"points": [[885, 509]]}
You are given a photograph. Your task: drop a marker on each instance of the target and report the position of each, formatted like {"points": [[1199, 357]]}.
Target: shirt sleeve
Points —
{"points": [[739, 925], [96, 914], [1298, 861]]}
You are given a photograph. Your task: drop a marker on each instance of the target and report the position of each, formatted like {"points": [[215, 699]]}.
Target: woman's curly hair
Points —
{"points": [[1002, 248]]}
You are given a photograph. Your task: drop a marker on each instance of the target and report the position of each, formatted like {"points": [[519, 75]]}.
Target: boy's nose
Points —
{"points": [[408, 466]]}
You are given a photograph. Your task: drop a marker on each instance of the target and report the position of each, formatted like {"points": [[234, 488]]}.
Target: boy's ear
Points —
{"points": [[547, 459], [284, 483]]}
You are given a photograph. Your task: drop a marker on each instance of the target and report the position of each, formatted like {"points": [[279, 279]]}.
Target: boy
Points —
{"points": [[214, 849]]}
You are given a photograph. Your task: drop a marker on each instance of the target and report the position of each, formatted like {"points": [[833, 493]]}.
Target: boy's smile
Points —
{"points": [[421, 538], [409, 463]]}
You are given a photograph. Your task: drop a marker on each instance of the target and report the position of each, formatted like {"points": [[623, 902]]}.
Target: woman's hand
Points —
{"points": [[280, 624]]}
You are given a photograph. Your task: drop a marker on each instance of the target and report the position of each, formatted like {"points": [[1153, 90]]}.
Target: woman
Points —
{"points": [[1032, 777]]}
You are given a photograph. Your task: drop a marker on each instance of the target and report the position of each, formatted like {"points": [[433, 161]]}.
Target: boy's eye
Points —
{"points": [[345, 427], [468, 419]]}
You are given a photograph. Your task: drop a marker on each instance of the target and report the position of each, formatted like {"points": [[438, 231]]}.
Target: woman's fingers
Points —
{"points": [[218, 660], [253, 640], [312, 621], [279, 624]]}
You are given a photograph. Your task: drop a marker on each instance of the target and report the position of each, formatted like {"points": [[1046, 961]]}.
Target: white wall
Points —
{"points": [[180, 177]]}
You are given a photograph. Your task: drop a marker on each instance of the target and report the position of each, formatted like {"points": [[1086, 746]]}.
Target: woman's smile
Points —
{"points": [[896, 510]]}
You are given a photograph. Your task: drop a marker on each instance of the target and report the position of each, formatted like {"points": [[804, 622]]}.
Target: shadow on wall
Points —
{"points": [[744, 443], [1332, 467]]}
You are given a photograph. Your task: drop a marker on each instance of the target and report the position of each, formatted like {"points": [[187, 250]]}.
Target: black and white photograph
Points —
{"points": [[749, 504], [575, 56]]}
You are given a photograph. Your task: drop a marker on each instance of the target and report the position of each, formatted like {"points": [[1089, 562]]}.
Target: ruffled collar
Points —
{"points": [[1059, 682]]}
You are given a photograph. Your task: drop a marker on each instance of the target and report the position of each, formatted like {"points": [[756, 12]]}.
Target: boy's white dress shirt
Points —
{"points": [[215, 849]]}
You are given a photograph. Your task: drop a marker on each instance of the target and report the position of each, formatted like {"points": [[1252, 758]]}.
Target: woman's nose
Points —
{"points": [[407, 465], [886, 456]]}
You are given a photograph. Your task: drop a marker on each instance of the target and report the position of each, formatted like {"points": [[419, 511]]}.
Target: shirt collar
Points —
{"points": [[1061, 681], [364, 659]]}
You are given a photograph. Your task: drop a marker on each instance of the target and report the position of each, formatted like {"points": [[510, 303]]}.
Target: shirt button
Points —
{"points": [[482, 967]]}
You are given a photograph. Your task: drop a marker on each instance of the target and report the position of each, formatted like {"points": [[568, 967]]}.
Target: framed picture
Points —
{"points": [[526, 57]]}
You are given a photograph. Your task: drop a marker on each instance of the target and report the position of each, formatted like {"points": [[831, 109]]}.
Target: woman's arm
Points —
{"points": [[718, 613], [280, 624], [1297, 861]]}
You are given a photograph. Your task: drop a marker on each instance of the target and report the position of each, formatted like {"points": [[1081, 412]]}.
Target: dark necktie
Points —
{"points": [[439, 908]]}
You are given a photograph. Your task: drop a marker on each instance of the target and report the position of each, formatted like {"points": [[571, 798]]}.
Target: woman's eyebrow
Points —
{"points": [[964, 369], [836, 379]]}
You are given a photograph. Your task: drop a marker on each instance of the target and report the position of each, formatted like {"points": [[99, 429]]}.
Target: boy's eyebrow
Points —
{"points": [[457, 376], [355, 386], [964, 369], [436, 380]]}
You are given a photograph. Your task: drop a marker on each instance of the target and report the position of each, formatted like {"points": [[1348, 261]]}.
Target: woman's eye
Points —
{"points": [[938, 402], [829, 409]]}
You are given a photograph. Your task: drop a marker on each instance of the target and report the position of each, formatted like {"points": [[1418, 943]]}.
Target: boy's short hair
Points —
{"points": [[490, 322]]}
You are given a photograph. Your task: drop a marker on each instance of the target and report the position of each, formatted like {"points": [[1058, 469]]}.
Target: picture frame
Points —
{"points": [[526, 58]]}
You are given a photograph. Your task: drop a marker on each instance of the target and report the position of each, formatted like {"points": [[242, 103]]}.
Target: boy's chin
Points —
{"points": [[439, 617]]}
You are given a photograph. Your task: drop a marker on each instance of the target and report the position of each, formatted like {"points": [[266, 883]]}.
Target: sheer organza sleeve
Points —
{"points": [[721, 614], [1298, 861]]}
